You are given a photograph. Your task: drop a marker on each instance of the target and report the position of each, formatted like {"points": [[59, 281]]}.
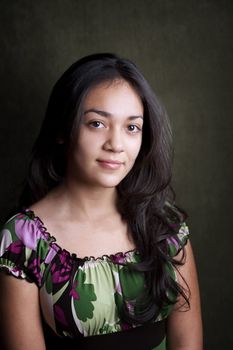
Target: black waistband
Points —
{"points": [[144, 337]]}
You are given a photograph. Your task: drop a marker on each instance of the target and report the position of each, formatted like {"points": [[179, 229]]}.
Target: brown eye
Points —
{"points": [[133, 128], [96, 124]]}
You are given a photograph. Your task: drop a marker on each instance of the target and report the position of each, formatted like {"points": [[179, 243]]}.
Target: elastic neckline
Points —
{"points": [[116, 257]]}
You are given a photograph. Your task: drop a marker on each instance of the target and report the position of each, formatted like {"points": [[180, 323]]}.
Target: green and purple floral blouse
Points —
{"points": [[79, 297]]}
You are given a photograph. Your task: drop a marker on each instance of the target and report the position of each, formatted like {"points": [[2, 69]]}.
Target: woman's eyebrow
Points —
{"points": [[107, 114]]}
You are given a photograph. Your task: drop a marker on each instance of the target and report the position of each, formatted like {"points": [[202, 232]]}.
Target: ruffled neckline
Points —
{"points": [[119, 257]]}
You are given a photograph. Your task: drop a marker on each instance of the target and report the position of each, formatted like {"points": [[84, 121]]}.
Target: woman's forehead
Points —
{"points": [[114, 96]]}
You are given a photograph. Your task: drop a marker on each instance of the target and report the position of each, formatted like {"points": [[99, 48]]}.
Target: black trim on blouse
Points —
{"points": [[144, 337]]}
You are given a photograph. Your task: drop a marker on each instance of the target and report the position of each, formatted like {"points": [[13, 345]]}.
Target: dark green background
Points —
{"points": [[185, 49]]}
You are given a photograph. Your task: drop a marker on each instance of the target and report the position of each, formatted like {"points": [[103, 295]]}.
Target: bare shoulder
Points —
{"points": [[49, 212], [20, 321], [43, 208], [185, 324]]}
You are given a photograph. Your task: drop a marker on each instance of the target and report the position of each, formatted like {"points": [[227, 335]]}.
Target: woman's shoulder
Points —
{"points": [[177, 241], [25, 227], [24, 243]]}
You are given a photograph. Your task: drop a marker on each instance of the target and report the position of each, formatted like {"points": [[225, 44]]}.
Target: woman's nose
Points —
{"points": [[114, 141]]}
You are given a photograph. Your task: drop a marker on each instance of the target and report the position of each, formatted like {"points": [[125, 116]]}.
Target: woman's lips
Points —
{"points": [[109, 164]]}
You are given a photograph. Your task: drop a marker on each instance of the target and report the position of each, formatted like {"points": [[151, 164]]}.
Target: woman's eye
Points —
{"points": [[134, 128], [96, 124]]}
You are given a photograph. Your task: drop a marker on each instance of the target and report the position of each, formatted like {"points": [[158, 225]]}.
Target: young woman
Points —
{"points": [[100, 252]]}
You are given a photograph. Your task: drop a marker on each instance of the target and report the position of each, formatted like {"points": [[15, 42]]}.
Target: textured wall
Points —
{"points": [[185, 49]]}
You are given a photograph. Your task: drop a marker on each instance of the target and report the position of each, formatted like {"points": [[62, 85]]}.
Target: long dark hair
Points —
{"points": [[146, 199]]}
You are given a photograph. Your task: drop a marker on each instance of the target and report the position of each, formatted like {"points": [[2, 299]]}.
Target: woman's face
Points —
{"points": [[109, 138]]}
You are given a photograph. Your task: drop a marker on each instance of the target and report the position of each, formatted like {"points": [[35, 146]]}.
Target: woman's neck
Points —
{"points": [[85, 202]]}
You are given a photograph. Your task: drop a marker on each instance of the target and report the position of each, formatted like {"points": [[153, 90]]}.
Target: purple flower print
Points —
{"points": [[118, 258], [61, 269], [74, 292], [16, 247], [33, 267], [28, 233], [173, 242], [52, 252]]}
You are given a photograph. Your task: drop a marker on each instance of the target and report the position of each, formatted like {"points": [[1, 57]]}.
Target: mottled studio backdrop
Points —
{"points": [[185, 49]]}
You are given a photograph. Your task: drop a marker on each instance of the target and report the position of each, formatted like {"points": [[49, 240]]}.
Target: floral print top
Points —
{"points": [[77, 296]]}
